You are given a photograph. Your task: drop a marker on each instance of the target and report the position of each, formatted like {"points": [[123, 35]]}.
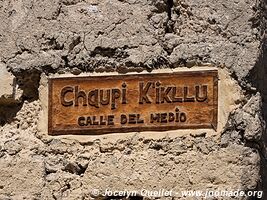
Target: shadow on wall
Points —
{"points": [[8, 111], [258, 79], [262, 88], [28, 82]]}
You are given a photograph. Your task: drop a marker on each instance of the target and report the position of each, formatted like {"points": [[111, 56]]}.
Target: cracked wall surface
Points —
{"points": [[40, 39]]}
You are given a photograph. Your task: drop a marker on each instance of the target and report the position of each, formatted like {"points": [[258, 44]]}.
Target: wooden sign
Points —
{"points": [[140, 102]]}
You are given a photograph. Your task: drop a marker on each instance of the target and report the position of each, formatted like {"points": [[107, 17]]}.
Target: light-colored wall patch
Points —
{"points": [[226, 103]]}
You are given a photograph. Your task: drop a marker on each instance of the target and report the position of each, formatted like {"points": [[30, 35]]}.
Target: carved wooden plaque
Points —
{"points": [[140, 102]]}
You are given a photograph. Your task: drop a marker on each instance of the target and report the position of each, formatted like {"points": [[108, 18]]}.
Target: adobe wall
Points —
{"points": [[53, 38]]}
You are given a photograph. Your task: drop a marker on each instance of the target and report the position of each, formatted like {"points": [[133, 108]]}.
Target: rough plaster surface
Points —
{"points": [[43, 38]]}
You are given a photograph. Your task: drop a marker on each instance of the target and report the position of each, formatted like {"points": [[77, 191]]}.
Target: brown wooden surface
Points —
{"points": [[63, 118]]}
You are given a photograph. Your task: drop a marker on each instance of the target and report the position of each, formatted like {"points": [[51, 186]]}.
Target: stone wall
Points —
{"points": [[41, 39]]}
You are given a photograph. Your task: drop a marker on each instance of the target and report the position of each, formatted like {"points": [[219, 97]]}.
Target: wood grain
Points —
{"points": [[139, 102]]}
